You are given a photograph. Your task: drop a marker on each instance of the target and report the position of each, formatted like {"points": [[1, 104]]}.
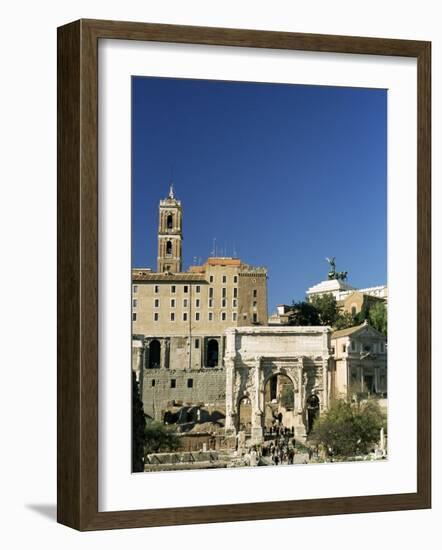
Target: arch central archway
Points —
{"points": [[154, 354], [279, 402], [245, 415]]}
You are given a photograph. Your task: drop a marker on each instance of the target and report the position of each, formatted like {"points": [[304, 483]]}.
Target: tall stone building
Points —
{"points": [[179, 318]]}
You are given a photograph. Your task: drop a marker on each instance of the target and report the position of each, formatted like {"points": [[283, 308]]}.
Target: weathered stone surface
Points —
{"points": [[256, 355], [208, 387]]}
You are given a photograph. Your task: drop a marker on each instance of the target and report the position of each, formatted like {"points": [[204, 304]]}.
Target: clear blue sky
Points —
{"points": [[287, 174]]}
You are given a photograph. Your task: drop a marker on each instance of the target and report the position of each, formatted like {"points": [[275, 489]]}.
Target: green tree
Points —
{"points": [[138, 428], [159, 438], [304, 314], [347, 429], [344, 320], [368, 420], [362, 315], [378, 317], [327, 308]]}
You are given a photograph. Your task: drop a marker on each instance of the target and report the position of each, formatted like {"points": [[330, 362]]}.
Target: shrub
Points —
{"points": [[158, 438], [347, 429]]}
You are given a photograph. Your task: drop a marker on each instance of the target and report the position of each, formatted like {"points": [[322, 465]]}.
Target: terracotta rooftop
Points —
{"points": [[347, 331]]}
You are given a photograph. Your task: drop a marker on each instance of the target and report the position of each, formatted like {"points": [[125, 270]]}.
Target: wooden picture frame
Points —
{"points": [[78, 274]]}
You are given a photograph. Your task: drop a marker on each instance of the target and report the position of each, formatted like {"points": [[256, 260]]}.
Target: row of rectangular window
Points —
{"points": [[197, 290], [172, 289], [224, 279], [185, 317], [156, 303], [173, 383], [210, 316]]}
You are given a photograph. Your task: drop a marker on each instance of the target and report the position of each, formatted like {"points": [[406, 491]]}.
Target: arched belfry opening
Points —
{"points": [[169, 222], [154, 355], [169, 248]]}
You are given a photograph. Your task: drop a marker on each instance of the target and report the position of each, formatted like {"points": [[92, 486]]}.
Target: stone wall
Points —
{"points": [[161, 387]]}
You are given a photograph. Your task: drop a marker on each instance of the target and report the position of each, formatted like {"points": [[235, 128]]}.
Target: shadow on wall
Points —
{"points": [[188, 417]]}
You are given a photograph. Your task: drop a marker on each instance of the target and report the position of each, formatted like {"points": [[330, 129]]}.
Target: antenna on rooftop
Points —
{"points": [[234, 249]]}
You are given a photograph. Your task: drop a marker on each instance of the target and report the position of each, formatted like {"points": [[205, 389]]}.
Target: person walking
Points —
{"points": [[291, 456]]}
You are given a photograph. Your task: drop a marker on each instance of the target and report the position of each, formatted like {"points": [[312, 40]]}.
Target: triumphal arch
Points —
{"points": [[276, 377]]}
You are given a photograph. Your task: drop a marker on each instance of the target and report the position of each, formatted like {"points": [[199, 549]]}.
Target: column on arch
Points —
{"points": [[257, 430]]}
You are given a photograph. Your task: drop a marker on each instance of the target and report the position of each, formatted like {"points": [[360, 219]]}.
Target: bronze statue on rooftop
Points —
{"points": [[333, 274]]}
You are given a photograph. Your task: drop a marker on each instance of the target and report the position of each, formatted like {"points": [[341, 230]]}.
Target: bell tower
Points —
{"points": [[170, 234]]}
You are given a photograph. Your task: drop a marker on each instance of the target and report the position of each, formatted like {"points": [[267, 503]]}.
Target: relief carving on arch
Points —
{"points": [[249, 378]]}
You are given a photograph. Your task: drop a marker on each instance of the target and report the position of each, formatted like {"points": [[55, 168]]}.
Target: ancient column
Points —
{"points": [[146, 355], [230, 397], [257, 431], [325, 382], [137, 357], [377, 378], [301, 384], [302, 380]]}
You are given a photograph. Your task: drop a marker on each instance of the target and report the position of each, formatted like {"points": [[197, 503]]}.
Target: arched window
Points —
{"points": [[169, 221], [169, 248], [212, 353], [154, 355]]}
